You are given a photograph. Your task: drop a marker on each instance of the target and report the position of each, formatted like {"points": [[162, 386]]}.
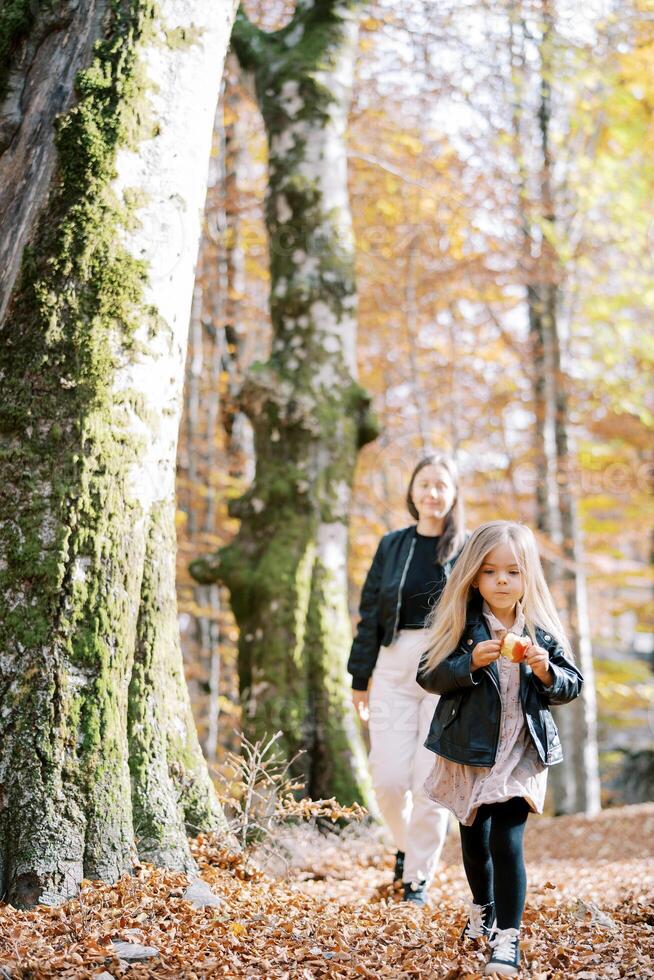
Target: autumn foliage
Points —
{"points": [[589, 914], [444, 345]]}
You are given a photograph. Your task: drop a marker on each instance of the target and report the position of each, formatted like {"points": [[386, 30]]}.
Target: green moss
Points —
{"points": [[339, 765], [292, 612], [182, 37], [16, 19], [274, 62], [171, 788], [71, 570]]}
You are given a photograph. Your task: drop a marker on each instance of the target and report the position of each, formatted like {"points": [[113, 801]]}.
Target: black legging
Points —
{"points": [[494, 861]]}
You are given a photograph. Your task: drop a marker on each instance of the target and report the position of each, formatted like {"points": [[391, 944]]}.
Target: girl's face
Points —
{"points": [[499, 579], [433, 492]]}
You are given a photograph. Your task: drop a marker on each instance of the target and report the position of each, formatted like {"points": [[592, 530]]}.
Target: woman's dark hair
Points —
{"points": [[454, 532]]}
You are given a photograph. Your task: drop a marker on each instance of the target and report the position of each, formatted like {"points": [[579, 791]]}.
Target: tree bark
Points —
{"points": [[237, 425], [575, 784], [286, 570], [99, 760], [202, 406], [45, 47], [581, 719]]}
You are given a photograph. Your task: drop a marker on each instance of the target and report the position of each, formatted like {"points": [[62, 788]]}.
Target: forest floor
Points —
{"points": [[590, 913]]}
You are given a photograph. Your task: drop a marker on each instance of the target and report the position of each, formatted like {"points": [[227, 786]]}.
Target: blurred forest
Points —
{"points": [[501, 180], [427, 227]]}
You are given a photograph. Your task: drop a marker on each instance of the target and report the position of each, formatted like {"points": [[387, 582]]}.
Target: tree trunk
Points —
{"points": [[202, 407], [99, 760], [581, 718], [286, 570], [43, 43], [236, 423], [575, 784]]}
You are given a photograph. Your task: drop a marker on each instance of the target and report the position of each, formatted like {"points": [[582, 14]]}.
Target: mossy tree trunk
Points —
{"points": [[99, 760], [286, 570]]}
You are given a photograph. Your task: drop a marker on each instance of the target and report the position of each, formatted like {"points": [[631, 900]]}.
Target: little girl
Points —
{"points": [[493, 733]]}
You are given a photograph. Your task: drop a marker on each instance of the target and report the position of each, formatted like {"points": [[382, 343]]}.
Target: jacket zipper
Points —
{"points": [[542, 749], [527, 720], [490, 673], [524, 715], [399, 591], [499, 726]]}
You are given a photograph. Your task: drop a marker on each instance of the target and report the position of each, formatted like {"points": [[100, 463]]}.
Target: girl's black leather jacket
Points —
{"points": [[381, 601], [466, 724]]}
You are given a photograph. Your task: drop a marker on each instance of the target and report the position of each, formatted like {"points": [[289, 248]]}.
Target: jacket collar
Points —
{"points": [[494, 623], [474, 614], [476, 619]]}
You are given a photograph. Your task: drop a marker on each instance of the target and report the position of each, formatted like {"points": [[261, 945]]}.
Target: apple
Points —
{"points": [[514, 647]]}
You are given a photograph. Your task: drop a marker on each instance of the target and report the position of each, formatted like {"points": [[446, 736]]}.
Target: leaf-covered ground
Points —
{"points": [[590, 913]]}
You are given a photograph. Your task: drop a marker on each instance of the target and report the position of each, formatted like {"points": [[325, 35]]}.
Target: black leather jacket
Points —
{"points": [[381, 601], [466, 724]]}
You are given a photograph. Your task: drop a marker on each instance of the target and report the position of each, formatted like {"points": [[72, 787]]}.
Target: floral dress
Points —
{"points": [[517, 771]]}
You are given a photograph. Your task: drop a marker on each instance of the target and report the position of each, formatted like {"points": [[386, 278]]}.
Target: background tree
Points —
{"points": [[215, 458], [537, 73], [441, 273], [521, 134], [99, 759], [286, 569]]}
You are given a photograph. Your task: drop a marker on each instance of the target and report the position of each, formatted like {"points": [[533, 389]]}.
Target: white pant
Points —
{"points": [[400, 715]]}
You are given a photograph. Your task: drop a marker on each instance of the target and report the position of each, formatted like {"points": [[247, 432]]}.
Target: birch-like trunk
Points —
{"points": [[575, 784], [237, 426], [99, 760], [287, 568], [198, 454], [581, 719]]}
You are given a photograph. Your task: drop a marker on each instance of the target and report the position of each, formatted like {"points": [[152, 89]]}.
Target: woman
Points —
{"points": [[406, 578]]}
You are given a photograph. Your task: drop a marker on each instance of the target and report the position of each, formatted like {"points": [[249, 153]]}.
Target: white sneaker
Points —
{"points": [[505, 960]]}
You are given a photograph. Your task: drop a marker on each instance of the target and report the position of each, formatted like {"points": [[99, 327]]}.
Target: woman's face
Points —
{"points": [[433, 492]]}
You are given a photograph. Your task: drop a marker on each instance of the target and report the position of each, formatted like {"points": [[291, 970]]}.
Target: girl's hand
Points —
{"points": [[485, 653], [360, 702], [539, 661]]}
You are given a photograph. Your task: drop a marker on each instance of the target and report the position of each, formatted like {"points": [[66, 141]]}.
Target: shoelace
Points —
{"points": [[504, 943], [475, 922]]}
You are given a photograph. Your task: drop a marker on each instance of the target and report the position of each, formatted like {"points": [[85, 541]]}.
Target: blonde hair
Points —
{"points": [[447, 621]]}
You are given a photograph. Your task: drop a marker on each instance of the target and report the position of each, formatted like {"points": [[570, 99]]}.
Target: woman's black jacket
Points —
{"points": [[381, 601], [466, 724]]}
